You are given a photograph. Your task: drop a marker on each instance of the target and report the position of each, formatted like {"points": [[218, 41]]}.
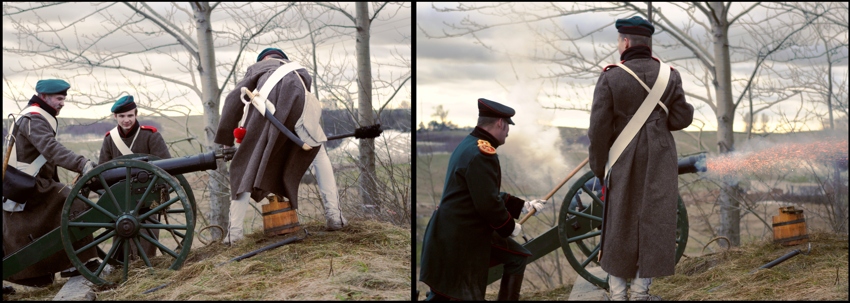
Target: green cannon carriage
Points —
{"points": [[131, 189], [578, 231]]}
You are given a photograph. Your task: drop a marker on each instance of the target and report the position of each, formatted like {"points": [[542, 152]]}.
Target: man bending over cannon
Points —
{"points": [[29, 213], [468, 233], [639, 225], [129, 137], [267, 160]]}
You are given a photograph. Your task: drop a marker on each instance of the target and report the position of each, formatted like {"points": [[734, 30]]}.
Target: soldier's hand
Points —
{"points": [[517, 230], [89, 166], [534, 204]]}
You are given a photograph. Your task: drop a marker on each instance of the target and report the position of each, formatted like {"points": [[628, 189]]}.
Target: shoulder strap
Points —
{"points": [[34, 167], [639, 118], [119, 143], [41, 111], [273, 80]]}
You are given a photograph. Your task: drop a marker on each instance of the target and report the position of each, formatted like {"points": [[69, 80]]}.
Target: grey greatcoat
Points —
{"points": [[266, 161], [640, 204], [149, 141], [42, 213]]}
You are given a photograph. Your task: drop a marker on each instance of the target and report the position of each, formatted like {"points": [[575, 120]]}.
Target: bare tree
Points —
{"points": [[362, 23]]}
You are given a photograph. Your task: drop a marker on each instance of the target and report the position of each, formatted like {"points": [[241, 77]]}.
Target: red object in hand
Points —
{"points": [[239, 133]]}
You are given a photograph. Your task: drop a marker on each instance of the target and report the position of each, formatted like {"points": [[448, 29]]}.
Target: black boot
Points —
{"points": [[509, 290]]}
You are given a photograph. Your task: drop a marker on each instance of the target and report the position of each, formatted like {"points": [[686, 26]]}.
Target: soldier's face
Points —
{"points": [[126, 119], [622, 44], [55, 101], [503, 131]]}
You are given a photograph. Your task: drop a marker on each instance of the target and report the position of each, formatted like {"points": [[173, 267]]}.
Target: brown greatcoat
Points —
{"points": [[150, 142], [266, 160], [34, 136], [639, 227]]}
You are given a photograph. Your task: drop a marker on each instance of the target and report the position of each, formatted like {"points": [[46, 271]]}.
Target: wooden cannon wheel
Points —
{"points": [[580, 231], [116, 216]]}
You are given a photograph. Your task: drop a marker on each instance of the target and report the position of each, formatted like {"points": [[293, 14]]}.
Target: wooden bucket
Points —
{"points": [[279, 218], [789, 227]]}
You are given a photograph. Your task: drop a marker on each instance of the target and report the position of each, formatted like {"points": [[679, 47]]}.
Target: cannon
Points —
{"points": [[131, 189], [578, 231]]}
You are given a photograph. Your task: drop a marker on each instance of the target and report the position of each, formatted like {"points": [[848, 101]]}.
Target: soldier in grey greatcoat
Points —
{"points": [[134, 139], [34, 136], [639, 232], [266, 160]]}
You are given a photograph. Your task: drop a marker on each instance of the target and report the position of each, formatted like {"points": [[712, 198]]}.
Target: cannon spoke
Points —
{"points": [[95, 206], [119, 244], [110, 193], [584, 236], [95, 242], [127, 190], [593, 196], [145, 195], [126, 259], [592, 256], [109, 255], [158, 208], [142, 251], [92, 224], [584, 215], [161, 247], [164, 226]]}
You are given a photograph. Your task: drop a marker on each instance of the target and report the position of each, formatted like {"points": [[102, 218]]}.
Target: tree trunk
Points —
{"points": [[219, 191], [368, 191], [730, 213]]}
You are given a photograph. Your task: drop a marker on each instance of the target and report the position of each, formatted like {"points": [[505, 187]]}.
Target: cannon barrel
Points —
{"points": [[173, 166], [687, 165], [692, 164]]}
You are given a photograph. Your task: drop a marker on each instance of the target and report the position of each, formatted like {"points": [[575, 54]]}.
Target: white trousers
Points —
{"points": [[323, 170], [617, 285], [238, 208]]}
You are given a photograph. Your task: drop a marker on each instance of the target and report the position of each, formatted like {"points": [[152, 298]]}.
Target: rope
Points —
{"points": [[728, 243], [220, 238]]}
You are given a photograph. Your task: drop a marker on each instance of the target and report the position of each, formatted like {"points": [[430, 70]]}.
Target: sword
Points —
{"points": [[274, 121]]}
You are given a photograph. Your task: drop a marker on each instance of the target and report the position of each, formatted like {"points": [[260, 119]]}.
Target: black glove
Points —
{"points": [[365, 132]]}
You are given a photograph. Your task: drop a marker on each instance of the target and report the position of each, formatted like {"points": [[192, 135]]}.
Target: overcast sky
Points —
{"points": [[455, 71], [78, 24]]}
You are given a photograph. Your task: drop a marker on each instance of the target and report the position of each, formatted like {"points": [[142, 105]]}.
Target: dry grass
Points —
{"points": [[367, 260], [821, 275]]}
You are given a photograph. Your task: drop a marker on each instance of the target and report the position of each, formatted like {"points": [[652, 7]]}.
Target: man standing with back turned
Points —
{"points": [[639, 226]]}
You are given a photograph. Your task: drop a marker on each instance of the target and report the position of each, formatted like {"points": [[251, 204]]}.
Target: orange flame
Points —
{"points": [[777, 157]]}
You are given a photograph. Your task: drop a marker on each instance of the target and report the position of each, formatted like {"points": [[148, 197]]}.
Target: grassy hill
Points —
{"points": [[367, 260], [726, 276]]}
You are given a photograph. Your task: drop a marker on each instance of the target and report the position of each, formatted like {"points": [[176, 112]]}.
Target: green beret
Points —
{"points": [[124, 104], [635, 26], [52, 86], [270, 51], [487, 108]]}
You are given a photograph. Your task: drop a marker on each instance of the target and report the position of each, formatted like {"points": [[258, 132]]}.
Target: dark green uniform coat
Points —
{"points": [[150, 142], [457, 241], [34, 136], [266, 160], [640, 205]]}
